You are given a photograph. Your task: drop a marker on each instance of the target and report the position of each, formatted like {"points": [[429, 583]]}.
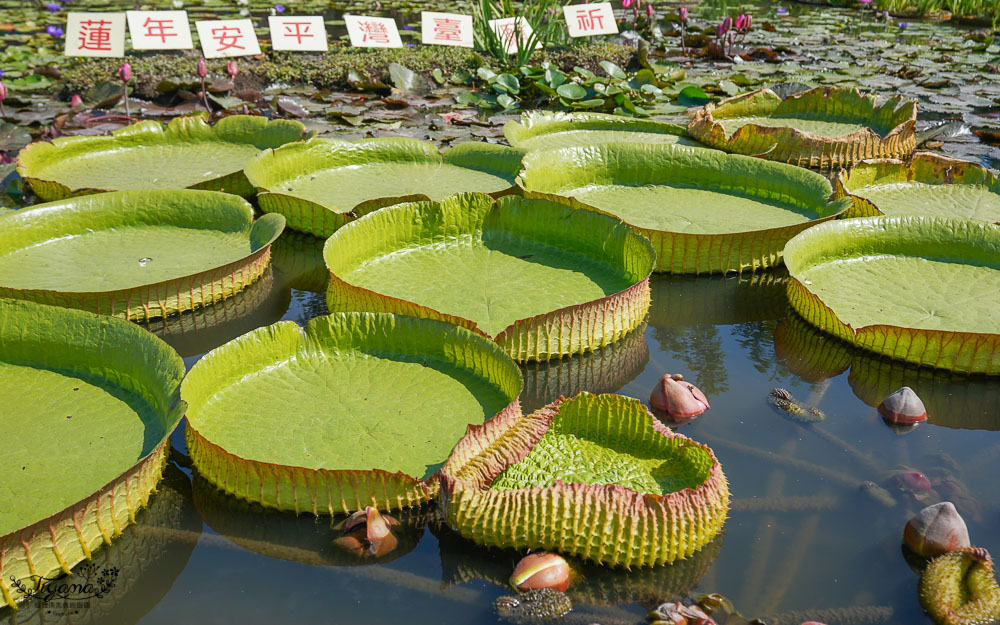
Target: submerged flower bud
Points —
{"points": [[541, 570], [679, 399], [935, 530], [202, 68], [125, 72], [903, 407]]}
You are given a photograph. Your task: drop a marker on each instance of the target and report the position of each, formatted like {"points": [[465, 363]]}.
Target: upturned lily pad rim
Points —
{"points": [[188, 208], [638, 259], [953, 239], [362, 332], [926, 167], [533, 124], [549, 171], [505, 440], [293, 160], [255, 130]]}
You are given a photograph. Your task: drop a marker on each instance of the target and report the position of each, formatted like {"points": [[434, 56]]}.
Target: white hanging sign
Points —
{"points": [[95, 34], [159, 30], [225, 38], [298, 34], [372, 32], [446, 29], [587, 20], [513, 32]]}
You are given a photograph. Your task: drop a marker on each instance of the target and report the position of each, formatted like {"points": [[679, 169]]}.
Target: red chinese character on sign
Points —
{"points": [[227, 36], [159, 28], [299, 30], [446, 29], [507, 34], [95, 35], [374, 31], [589, 19]]}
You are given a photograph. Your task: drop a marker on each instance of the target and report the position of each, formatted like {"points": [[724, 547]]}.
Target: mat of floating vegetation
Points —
{"points": [[595, 476], [916, 288], [298, 258], [88, 404], [542, 279], [952, 399], [356, 409], [188, 153], [552, 129], [929, 184], [321, 184], [135, 254], [704, 211], [821, 128]]}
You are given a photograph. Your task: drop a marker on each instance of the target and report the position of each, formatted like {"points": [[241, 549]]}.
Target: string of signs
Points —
{"points": [[103, 34]]}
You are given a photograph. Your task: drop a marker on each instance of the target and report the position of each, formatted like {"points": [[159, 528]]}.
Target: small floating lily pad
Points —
{"points": [[188, 153], [95, 394], [135, 254], [553, 129], [704, 211], [820, 128], [321, 184], [929, 184], [356, 409], [595, 476], [917, 288], [542, 279]]}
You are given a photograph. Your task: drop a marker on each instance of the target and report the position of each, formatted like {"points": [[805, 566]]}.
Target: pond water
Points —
{"points": [[803, 540]]}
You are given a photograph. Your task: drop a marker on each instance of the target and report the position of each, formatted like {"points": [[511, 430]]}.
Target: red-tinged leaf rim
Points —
{"points": [[141, 223], [66, 365], [561, 236], [608, 523], [554, 174], [924, 168], [548, 129], [889, 132], [953, 400], [277, 176], [184, 140], [281, 455], [965, 244]]}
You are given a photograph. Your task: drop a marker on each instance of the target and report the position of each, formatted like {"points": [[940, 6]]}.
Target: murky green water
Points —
{"points": [[802, 540]]}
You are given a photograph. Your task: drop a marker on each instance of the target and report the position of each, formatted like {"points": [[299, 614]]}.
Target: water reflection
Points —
{"points": [[952, 400], [148, 557], [299, 258]]}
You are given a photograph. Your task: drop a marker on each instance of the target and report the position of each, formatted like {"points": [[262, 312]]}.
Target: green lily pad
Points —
{"points": [[916, 288], [358, 409], [540, 278], [704, 211], [545, 129], [82, 391], [188, 153], [595, 476], [821, 128], [321, 184], [135, 254], [929, 184]]}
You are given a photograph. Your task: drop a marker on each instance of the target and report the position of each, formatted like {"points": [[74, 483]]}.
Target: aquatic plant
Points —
{"points": [[958, 588], [680, 400], [820, 128], [541, 570], [903, 407], [553, 280], [125, 75], [595, 476], [936, 530], [548, 129]]}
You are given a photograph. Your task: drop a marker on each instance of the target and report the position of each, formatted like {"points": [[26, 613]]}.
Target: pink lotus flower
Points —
{"points": [[741, 21], [125, 72], [202, 68], [682, 13], [232, 69], [677, 398], [627, 3]]}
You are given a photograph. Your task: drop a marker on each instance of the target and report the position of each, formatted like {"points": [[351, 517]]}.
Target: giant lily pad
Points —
{"points": [[540, 278], [358, 409], [321, 184], [917, 288], [821, 128], [548, 129], [929, 184], [187, 154], [595, 476], [135, 254], [704, 211], [86, 405]]}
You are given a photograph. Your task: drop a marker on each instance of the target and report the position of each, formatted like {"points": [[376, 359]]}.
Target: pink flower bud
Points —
{"points": [[202, 68], [679, 399], [75, 101], [649, 11], [749, 21], [541, 570], [727, 25], [741, 21], [3, 92], [232, 68], [626, 3], [125, 72], [682, 13]]}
